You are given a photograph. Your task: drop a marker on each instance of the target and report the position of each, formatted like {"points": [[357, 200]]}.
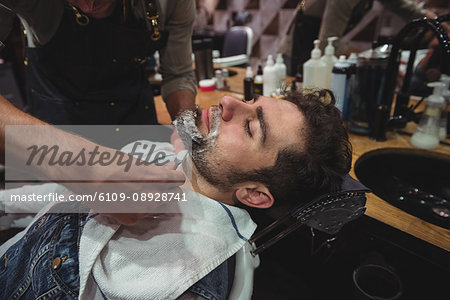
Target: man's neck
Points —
{"points": [[201, 186]]}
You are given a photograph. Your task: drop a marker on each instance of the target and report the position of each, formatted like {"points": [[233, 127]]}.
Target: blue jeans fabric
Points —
{"points": [[29, 268], [217, 284]]}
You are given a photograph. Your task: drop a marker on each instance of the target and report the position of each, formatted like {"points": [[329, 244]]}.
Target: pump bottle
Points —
{"points": [[280, 68], [329, 59], [427, 133], [269, 77], [314, 69]]}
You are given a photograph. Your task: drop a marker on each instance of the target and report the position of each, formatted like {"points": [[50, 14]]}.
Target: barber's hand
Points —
{"points": [[146, 182], [131, 195], [105, 180], [142, 191]]}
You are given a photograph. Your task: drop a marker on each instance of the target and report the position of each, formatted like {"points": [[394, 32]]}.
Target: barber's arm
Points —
{"points": [[334, 22], [178, 86], [407, 9], [97, 178], [10, 115]]}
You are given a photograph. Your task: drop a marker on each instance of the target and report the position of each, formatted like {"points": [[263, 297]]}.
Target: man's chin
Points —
{"points": [[188, 130]]}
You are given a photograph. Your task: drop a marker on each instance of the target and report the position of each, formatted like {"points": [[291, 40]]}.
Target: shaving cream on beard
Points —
{"points": [[187, 128]]}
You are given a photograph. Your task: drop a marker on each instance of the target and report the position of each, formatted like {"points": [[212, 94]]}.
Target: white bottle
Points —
{"points": [[314, 69], [269, 77], [280, 68], [329, 59], [338, 82], [427, 133], [444, 115]]}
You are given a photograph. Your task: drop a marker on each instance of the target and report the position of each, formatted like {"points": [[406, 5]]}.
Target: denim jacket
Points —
{"points": [[44, 264]]}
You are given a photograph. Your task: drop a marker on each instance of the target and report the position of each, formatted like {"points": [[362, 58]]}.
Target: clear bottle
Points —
{"points": [[269, 77], [427, 133], [219, 79], [443, 126], [258, 82], [314, 69], [330, 60]]}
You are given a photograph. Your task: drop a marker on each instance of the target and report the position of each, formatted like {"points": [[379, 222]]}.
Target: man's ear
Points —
{"points": [[254, 195]]}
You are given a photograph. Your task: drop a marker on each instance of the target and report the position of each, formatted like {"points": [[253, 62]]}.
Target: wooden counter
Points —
{"points": [[376, 207]]}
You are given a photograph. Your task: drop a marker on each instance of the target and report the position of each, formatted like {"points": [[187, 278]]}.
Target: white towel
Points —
{"points": [[160, 257]]}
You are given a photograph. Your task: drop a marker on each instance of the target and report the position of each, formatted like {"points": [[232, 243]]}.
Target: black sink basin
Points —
{"points": [[416, 181]]}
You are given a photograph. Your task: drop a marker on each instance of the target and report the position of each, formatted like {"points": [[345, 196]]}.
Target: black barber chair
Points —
{"points": [[327, 213]]}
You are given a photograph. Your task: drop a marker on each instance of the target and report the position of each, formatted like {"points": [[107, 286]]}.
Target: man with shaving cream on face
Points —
{"points": [[240, 156], [85, 58]]}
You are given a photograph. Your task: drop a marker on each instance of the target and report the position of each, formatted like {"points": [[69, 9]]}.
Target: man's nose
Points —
{"points": [[230, 106]]}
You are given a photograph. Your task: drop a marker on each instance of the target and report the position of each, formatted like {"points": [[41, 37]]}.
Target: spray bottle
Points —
{"points": [[314, 69], [427, 133], [329, 59], [269, 77]]}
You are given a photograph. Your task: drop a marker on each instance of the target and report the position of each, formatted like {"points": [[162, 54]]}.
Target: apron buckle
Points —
{"points": [[81, 19]]}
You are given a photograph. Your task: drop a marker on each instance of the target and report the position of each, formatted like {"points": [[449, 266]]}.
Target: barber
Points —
{"points": [[85, 58]]}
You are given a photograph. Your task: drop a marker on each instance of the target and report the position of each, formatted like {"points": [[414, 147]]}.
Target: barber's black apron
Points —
{"points": [[93, 74]]}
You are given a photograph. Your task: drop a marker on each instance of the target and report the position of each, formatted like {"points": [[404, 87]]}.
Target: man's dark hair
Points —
{"points": [[315, 166]]}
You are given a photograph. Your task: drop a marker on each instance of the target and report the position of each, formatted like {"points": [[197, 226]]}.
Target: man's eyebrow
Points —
{"points": [[262, 124]]}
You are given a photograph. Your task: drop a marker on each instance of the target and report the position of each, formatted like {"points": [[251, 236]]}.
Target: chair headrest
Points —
{"points": [[330, 211], [327, 212]]}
